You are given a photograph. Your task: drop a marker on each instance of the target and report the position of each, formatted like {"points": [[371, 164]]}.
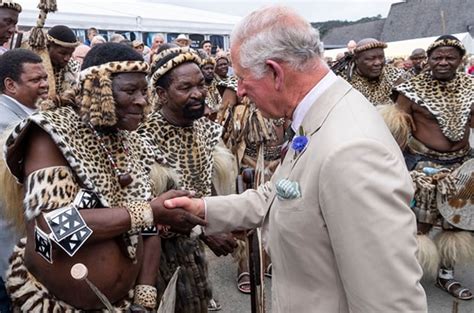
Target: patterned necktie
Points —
{"points": [[289, 134]]}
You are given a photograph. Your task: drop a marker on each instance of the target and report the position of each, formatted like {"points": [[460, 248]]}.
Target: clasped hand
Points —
{"points": [[178, 209], [181, 218]]}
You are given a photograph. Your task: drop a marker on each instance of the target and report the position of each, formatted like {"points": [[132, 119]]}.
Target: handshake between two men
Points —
{"points": [[181, 212]]}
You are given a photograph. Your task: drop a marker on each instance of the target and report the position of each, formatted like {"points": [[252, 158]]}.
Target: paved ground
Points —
{"points": [[223, 276]]}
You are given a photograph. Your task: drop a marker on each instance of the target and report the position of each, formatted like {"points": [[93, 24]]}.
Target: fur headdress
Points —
{"points": [[169, 59], [9, 4], [447, 41], [369, 44], [208, 60], [98, 103]]}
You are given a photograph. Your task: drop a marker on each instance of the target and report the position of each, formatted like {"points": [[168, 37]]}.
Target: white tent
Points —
{"points": [[130, 15], [404, 48]]}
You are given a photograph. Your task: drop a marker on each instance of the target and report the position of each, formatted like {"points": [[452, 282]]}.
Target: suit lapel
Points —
{"points": [[312, 122], [319, 112]]}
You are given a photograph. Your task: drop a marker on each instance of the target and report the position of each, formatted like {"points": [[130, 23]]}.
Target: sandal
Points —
{"points": [[455, 289], [243, 286], [213, 305], [268, 271]]}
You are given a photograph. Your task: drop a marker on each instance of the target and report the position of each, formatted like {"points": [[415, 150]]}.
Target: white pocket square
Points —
{"points": [[287, 189]]}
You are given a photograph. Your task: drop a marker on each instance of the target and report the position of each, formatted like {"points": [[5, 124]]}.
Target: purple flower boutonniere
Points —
{"points": [[299, 142]]}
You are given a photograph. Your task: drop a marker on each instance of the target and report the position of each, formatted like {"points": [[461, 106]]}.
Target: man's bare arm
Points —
{"points": [[42, 152]]}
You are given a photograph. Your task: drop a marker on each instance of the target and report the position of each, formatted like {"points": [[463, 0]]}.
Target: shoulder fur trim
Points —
{"points": [[397, 122], [163, 179]]}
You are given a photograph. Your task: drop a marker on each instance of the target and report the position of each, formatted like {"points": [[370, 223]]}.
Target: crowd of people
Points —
{"points": [[122, 163]]}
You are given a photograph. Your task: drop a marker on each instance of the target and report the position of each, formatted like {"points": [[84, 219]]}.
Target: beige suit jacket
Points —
{"points": [[348, 243]]}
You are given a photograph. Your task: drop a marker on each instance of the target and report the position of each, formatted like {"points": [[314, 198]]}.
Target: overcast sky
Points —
{"points": [[313, 10]]}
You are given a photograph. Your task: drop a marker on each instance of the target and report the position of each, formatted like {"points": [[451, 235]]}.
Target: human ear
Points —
{"points": [[277, 72], [10, 85], [161, 92]]}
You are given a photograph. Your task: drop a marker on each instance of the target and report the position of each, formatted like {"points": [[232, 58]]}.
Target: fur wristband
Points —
{"points": [[146, 296], [141, 215]]}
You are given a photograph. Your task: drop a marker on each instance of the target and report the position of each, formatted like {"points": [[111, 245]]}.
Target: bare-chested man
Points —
{"points": [[439, 104]]}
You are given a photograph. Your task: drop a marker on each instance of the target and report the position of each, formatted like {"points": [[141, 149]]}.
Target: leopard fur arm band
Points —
{"points": [[141, 215], [49, 189], [146, 296]]}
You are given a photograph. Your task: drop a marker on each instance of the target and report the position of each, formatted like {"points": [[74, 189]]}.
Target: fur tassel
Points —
{"points": [[225, 170], [163, 179], [427, 255], [37, 39], [48, 5], [86, 102], [397, 122], [455, 247], [107, 102], [240, 253], [95, 112], [11, 193]]}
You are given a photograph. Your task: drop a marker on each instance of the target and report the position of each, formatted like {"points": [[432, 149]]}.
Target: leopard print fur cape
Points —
{"points": [[188, 150], [88, 161], [377, 91], [83, 152], [449, 102]]}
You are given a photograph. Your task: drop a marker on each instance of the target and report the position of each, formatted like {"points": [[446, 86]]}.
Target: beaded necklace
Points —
{"points": [[124, 177]]}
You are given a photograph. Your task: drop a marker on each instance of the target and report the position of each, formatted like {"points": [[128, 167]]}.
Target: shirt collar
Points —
{"points": [[303, 107]]}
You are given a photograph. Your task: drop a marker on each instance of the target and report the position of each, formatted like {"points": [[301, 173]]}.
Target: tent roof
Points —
{"points": [[403, 48], [131, 15]]}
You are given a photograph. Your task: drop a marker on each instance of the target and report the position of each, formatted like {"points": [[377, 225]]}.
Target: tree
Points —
{"points": [[324, 27]]}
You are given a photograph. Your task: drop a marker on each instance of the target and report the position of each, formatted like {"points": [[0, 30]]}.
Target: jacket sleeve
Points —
{"points": [[238, 212]]}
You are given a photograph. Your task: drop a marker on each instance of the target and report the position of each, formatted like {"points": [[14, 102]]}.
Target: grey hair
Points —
{"points": [[277, 33]]}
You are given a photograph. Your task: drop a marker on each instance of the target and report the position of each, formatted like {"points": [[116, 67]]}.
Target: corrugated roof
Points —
{"points": [[424, 18]]}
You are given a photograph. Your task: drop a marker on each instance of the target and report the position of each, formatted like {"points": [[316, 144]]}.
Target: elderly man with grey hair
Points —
{"points": [[336, 212]]}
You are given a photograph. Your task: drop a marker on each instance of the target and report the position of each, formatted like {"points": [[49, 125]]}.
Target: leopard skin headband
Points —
{"points": [[370, 46], [169, 59], [207, 61], [446, 42]]}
